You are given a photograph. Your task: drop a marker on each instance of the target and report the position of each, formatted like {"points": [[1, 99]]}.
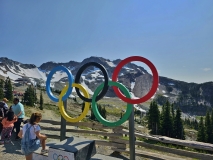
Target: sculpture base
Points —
{"points": [[71, 149]]}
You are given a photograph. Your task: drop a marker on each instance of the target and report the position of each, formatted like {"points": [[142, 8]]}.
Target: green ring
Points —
{"points": [[97, 113]]}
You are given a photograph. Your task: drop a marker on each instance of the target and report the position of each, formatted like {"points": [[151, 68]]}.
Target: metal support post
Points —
{"points": [[132, 136], [63, 124]]}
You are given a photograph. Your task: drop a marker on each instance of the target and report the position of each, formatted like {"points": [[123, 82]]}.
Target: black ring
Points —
{"points": [[106, 77]]}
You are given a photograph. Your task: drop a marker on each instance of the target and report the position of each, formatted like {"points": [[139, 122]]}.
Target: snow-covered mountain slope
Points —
{"points": [[16, 70], [134, 77]]}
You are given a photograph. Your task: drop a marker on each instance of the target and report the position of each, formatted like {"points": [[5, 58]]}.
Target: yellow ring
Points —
{"points": [[61, 105]]}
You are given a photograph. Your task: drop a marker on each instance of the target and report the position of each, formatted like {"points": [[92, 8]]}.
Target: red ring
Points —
{"points": [[154, 82]]}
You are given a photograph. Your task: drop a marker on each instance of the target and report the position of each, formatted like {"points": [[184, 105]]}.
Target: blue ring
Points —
{"points": [[54, 157], [70, 79]]}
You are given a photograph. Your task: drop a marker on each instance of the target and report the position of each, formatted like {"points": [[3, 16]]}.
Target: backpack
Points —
{"points": [[3, 109], [29, 145]]}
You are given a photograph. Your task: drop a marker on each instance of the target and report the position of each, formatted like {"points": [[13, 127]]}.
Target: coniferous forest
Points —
{"points": [[205, 128], [168, 122]]}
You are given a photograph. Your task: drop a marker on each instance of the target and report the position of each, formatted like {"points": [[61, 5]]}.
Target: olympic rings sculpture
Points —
{"points": [[100, 90]]}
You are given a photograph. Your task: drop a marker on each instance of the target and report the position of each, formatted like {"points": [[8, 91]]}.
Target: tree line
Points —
{"points": [[29, 98], [205, 128], [168, 122]]}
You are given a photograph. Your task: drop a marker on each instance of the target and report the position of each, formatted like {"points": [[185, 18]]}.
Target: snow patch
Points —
{"points": [[138, 108], [132, 85], [111, 64], [127, 68], [12, 76], [133, 96], [153, 96], [171, 84], [87, 88]]}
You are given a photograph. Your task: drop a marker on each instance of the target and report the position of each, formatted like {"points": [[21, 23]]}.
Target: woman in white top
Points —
{"points": [[33, 138]]}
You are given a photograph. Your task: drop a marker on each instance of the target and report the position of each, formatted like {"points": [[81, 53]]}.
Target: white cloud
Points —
{"points": [[206, 69]]}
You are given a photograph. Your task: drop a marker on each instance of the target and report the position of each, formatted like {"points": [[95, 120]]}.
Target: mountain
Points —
{"points": [[192, 98]]}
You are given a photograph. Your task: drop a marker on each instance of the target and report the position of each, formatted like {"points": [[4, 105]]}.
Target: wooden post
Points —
{"points": [[63, 124]]}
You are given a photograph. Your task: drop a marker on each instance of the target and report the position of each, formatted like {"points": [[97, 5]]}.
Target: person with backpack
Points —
{"points": [[3, 111], [31, 137], [7, 123], [18, 109]]}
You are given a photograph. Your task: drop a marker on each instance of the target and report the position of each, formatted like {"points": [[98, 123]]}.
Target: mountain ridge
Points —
{"points": [[134, 77]]}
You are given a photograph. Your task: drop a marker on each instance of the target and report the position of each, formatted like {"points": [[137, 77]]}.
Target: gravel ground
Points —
{"points": [[11, 151]]}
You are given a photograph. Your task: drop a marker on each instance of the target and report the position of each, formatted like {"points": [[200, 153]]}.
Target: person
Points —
{"points": [[3, 111], [7, 123], [18, 109], [29, 132]]}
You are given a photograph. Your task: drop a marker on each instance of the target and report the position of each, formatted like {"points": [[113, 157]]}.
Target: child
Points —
{"points": [[7, 123], [30, 133]]}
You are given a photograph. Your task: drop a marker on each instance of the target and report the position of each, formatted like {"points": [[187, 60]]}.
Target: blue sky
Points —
{"points": [[177, 36]]}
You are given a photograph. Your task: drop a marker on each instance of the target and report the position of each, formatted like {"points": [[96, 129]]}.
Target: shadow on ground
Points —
{"points": [[11, 149], [118, 155]]}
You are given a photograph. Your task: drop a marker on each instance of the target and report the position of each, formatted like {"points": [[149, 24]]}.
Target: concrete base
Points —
{"points": [[71, 149], [38, 156], [81, 149]]}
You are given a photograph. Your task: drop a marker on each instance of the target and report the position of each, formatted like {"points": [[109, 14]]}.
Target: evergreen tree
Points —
{"points": [[154, 118], [167, 127], [8, 89], [149, 114], [29, 96], [121, 115], [6, 84], [101, 110], [173, 119], [41, 101], [178, 126], [35, 96], [212, 124], [195, 124], [188, 122], [1, 89], [161, 119], [74, 99], [173, 112], [92, 116], [201, 134], [208, 128]]}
